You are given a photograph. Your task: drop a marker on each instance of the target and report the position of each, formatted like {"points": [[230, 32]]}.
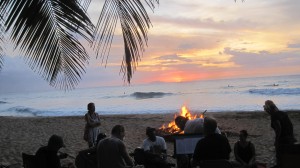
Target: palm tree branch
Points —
{"points": [[135, 23], [47, 37]]}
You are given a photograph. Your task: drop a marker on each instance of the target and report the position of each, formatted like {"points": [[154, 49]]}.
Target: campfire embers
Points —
{"points": [[166, 130]]}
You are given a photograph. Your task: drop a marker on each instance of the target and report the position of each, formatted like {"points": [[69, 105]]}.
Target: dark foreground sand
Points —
{"points": [[18, 134]]}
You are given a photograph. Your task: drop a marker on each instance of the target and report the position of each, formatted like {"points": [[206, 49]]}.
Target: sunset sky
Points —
{"points": [[194, 40]]}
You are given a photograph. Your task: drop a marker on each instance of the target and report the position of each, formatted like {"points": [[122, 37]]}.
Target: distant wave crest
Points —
{"points": [[149, 95], [279, 91], [23, 111], [3, 102]]}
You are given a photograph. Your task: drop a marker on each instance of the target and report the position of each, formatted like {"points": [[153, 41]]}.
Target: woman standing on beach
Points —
{"points": [[92, 125]]}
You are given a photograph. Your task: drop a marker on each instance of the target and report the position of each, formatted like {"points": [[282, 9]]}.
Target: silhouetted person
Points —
{"points": [[213, 146], [193, 126], [93, 123], [111, 151], [244, 151], [282, 126], [47, 156], [88, 158], [155, 150]]}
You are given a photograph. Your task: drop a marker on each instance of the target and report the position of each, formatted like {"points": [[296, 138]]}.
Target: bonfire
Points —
{"points": [[171, 127]]}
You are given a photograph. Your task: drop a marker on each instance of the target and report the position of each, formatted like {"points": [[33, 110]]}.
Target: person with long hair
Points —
{"points": [[92, 126], [282, 126]]}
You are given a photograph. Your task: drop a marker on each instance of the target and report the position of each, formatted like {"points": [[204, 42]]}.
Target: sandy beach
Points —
{"points": [[27, 134]]}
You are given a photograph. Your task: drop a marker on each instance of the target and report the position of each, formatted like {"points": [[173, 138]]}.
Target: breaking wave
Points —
{"points": [[278, 91], [149, 95]]}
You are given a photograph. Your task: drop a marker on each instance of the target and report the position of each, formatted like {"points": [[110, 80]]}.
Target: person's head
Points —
{"points": [[100, 136], [91, 107], [180, 121], [209, 125], [151, 133], [118, 131], [243, 135], [55, 142], [270, 107]]}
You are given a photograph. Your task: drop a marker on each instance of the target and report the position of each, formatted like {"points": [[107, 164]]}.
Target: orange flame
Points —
{"points": [[172, 127]]}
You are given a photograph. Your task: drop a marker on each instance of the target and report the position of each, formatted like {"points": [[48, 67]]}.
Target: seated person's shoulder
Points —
{"points": [[42, 150], [160, 138]]}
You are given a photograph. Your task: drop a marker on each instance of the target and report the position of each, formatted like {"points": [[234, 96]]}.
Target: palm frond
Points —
{"points": [[46, 31], [1, 36], [135, 23]]}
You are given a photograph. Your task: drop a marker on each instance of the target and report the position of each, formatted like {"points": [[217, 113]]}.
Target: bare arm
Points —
{"points": [[125, 155], [90, 122]]}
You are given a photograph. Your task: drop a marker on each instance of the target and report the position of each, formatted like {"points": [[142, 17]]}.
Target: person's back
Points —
{"points": [[107, 156], [194, 126], [213, 147], [111, 152], [287, 132], [46, 158]]}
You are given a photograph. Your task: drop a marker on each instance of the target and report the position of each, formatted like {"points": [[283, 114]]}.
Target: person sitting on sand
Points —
{"points": [[244, 151], [282, 126], [111, 151], [93, 123], [213, 146], [155, 150], [193, 126], [47, 157]]}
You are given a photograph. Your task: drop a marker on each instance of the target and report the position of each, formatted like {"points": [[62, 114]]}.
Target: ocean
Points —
{"points": [[226, 95]]}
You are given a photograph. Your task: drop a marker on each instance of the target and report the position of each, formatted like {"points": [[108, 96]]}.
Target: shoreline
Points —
{"points": [[164, 113], [27, 134]]}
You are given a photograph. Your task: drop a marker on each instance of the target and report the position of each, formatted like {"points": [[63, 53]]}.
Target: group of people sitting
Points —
{"points": [[111, 152], [214, 145]]}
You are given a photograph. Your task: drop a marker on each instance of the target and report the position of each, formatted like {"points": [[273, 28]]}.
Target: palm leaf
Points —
{"points": [[1, 33], [46, 32], [135, 23]]}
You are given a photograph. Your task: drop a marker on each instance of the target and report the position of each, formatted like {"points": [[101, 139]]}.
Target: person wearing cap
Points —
{"points": [[155, 149], [92, 125], [47, 157], [112, 152]]}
